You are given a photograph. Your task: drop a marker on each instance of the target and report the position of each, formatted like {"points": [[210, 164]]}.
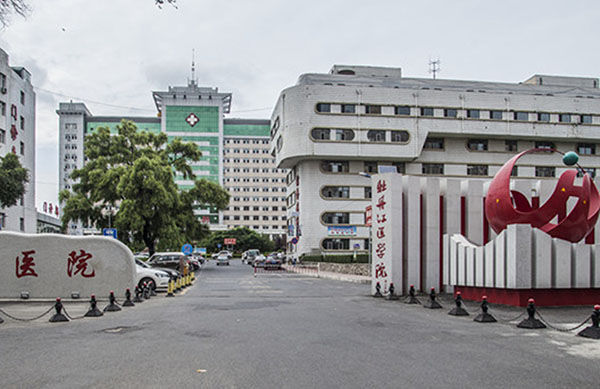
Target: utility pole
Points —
{"points": [[434, 67]]}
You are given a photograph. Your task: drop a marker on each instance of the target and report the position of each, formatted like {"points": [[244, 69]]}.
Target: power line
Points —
{"points": [[92, 101]]}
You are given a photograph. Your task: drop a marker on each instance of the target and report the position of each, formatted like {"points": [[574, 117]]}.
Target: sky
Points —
{"points": [[112, 54]]}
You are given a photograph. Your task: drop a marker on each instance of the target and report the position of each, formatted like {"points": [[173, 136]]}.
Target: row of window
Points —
{"points": [[255, 217], [70, 126], [254, 189], [71, 156], [247, 141], [70, 136], [255, 179], [3, 220], [343, 134], [255, 208], [248, 160], [405, 110], [509, 145], [275, 198], [483, 170], [253, 170], [368, 167], [69, 146], [261, 227], [342, 192], [247, 151], [341, 244]]}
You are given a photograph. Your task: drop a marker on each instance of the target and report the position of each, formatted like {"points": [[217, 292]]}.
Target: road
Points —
{"points": [[234, 330]]}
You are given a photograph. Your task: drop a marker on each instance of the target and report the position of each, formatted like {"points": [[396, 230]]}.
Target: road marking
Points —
{"points": [[200, 371]]}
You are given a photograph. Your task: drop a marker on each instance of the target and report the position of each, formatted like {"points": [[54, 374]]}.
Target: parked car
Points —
{"points": [[169, 260], [156, 278], [222, 259], [273, 262], [259, 261]]}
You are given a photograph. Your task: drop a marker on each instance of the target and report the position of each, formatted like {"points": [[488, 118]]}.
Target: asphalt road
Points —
{"points": [[234, 330]]}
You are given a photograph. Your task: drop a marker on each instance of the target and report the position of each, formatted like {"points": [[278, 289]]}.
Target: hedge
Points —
{"points": [[340, 258]]}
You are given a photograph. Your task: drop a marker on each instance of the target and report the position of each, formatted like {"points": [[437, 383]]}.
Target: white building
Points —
{"points": [[17, 135], [329, 128]]}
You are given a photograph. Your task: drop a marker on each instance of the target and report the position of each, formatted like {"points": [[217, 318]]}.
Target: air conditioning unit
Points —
{"points": [[3, 90]]}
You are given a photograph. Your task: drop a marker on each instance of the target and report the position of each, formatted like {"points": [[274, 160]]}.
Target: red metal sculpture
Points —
{"points": [[504, 206]]}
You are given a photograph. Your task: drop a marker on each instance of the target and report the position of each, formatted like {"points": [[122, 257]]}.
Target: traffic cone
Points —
{"points": [[392, 296], [432, 303], [58, 316], [170, 289], [484, 316], [531, 322], [377, 291], [128, 302], [112, 306], [458, 310], [412, 299], [593, 331], [93, 311]]}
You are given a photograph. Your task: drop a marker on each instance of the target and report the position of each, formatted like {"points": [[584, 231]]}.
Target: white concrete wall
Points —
{"points": [[111, 262]]}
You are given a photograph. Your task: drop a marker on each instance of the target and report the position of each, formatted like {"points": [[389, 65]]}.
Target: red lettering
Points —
{"points": [[27, 264], [79, 262]]}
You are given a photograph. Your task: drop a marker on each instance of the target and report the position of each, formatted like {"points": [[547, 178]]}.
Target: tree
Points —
{"points": [[7, 7], [133, 172], [245, 239], [13, 178]]}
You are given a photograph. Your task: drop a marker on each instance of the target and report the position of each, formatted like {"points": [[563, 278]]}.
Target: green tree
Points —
{"points": [[245, 239], [7, 7], [13, 178], [133, 172]]}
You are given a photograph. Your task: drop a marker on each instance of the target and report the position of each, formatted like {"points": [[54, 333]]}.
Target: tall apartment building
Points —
{"points": [[256, 186], [17, 136], [192, 113], [332, 130]]}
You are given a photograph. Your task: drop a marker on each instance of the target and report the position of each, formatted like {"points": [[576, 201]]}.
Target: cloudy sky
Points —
{"points": [[111, 54]]}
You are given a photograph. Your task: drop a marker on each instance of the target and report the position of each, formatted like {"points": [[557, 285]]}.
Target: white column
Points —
{"points": [[412, 232], [431, 232], [518, 256]]}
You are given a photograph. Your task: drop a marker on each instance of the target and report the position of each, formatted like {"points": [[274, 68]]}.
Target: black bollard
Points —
{"points": [[128, 302], [152, 291], [377, 291], [458, 310], [392, 295], [432, 303], [531, 322], [112, 306], [412, 299], [138, 295], [93, 311], [484, 316], [593, 331], [1, 320], [58, 316], [146, 292]]}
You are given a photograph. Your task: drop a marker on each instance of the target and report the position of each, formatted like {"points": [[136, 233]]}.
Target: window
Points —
{"points": [[543, 117], [544, 171], [373, 109], [403, 110], [426, 111], [450, 112], [336, 192], [496, 115], [323, 107], [514, 172], [477, 144], [3, 81], [367, 192], [336, 166], [586, 148], [434, 144], [320, 133], [2, 220], [477, 170], [2, 136], [473, 113], [22, 148], [510, 145], [22, 122], [520, 115], [335, 244], [544, 145], [432, 168], [400, 167], [586, 119], [399, 136], [370, 167], [22, 97], [564, 118], [3, 108], [348, 108], [22, 224], [590, 171], [376, 135], [336, 218], [343, 134]]}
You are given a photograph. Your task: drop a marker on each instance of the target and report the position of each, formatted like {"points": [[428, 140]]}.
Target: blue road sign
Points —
{"points": [[219, 245], [294, 240], [110, 232], [187, 249]]}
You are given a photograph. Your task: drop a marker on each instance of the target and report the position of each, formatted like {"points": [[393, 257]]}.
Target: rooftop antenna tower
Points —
{"points": [[193, 81], [434, 67]]}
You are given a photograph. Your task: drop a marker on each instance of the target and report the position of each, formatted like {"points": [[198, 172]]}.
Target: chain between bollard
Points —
{"points": [[508, 320], [30, 319], [462, 302], [562, 329], [70, 317]]}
